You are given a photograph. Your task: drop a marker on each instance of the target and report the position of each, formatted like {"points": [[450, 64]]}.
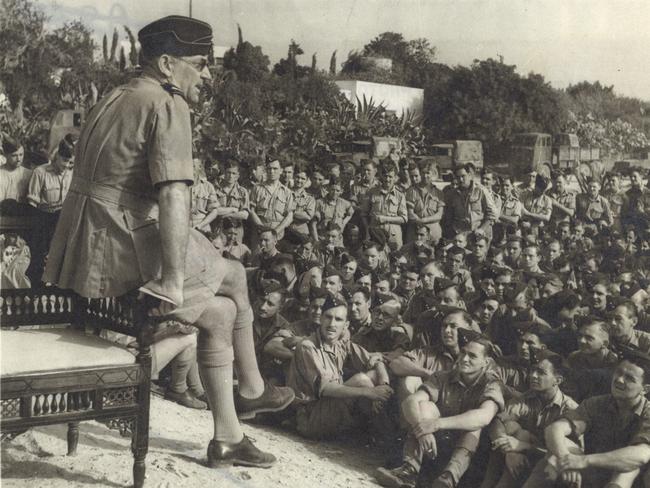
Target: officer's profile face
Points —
{"points": [[15, 159], [189, 73], [333, 322]]}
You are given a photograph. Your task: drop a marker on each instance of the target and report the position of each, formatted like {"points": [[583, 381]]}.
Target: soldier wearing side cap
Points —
{"points": [[125, 226]]}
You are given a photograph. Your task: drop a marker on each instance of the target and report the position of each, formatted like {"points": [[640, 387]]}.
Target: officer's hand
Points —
{"points": [[425, 427]]}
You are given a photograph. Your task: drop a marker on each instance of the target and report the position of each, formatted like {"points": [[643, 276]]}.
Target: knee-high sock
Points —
{"points": [[194, 380], [218, 387], [181, 365], [251, 384]]}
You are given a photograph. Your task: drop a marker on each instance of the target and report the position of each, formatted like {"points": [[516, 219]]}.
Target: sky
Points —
{"points": [[567, 41]]}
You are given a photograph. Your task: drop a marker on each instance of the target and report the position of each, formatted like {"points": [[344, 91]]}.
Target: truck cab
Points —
{"points": [[531, 151], [450, 154]]}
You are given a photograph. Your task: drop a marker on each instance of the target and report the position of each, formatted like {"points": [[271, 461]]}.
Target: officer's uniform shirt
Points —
{"points": [[48, 188], [204, 200], [303, 201], [14, 183], [390, 203], [107, 241]]}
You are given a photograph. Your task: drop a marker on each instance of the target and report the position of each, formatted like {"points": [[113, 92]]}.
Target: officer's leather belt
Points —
{"points": [[142, 204]]}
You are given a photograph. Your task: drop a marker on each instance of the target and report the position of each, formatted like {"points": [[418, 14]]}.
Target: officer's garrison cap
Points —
{"points": [[176, 35]]}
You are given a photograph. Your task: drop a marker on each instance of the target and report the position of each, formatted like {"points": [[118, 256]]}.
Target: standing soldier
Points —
{"points": [[470, 205], [563, 201], [125, 226], [304, 204], [332, 209], [48, 188], [271, 203], [592, 208], [14, 177], [233, 198], [636, 206], [537, 205], [424, 202], [385, 206], [205, 204]]}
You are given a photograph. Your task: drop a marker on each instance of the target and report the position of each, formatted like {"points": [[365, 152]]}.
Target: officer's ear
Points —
{"points": [[165, 64]]}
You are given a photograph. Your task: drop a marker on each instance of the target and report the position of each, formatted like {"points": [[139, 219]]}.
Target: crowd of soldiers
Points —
{"points": [[484, 332]]}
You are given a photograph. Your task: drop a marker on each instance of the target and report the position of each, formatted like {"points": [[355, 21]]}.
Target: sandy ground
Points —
{"points": [[177, 453]]}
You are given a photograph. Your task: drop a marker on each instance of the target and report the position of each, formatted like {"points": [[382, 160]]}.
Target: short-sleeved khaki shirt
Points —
{"points": [[107, 240], [48, 188], [271, 204]]}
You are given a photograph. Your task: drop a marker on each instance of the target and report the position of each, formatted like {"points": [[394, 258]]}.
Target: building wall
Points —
{"points": [[395, 98]]}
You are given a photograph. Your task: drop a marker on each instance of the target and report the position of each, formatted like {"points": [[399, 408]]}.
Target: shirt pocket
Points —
{"points": [[392, 204], [145, 235]]}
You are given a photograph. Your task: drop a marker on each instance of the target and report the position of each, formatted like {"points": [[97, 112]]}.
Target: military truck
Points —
{"points": [[450, 154], [568, 154]]}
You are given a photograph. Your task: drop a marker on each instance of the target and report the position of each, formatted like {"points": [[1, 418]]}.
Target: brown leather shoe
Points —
{"points": [[273, 399], [186, 399], [243, 453]]}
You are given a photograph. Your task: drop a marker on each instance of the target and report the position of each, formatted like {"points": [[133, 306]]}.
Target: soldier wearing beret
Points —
{"points": [[125, 225]]}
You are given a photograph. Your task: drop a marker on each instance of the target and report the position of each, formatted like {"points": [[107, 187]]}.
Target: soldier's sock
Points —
{"points": [[194, 380], [181, 364], [251, 384], [217, 379]]}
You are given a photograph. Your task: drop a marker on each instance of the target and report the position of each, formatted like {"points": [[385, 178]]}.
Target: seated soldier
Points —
{"points": [[616, 430], [386, 333], [447, 298], [360, 303], [232, 229], [423, 299], [329, 249], [307, 326], [382, 289], [446, 416], [594, 351], [518, 432], [332, 280], [456, 271], [414, 248], [364, 276], [485, 308], [295, 306], [512, 370], [268, 241], [622, 323], [326, 403], [416, 365], [408, 283], [267, 326]]}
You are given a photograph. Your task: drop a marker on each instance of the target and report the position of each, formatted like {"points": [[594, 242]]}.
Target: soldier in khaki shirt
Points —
{"points": [[385, 206], [271, 203], [125, 226], [204, 205]]}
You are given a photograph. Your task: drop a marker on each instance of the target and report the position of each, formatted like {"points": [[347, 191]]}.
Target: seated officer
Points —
{"points": [[446, 416], [616, 430], [518, 433], [386, 333], [328, 404]]}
